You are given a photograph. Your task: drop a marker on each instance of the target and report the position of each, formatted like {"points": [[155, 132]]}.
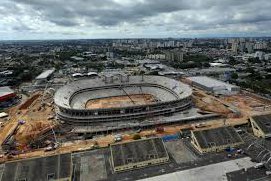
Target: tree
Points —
{"points": [[232, 61], [234, 76]]}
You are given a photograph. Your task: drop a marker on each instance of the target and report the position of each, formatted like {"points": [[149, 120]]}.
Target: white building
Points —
{"points": [[260, 45], [214, 86], [44, 76], [259, 55]]}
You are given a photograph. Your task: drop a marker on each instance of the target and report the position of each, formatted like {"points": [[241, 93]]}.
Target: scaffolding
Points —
{"points": [[258, 149]]}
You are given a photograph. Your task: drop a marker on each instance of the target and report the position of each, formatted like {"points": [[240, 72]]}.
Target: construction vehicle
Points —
{"points": [[185, 133], [21, 122], [52, 147], [118, 138]]}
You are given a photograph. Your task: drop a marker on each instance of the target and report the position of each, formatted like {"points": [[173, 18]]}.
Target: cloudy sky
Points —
{"points": [[69, 19]]}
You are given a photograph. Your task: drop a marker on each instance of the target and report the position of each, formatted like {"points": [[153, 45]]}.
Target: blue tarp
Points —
{"points": [[171, 137]]}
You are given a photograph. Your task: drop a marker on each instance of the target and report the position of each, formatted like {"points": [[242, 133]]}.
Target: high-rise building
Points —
{"points": [[234, 47], [260, 46], [250, 47], [174, 56]]}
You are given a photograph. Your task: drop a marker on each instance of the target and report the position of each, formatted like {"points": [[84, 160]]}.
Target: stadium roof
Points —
{"points": [[45, 74], [176, 88], [264, 122], [217, 137], [6, 91]]}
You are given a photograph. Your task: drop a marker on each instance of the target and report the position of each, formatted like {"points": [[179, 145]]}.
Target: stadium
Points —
{"points": [[120, 98]]}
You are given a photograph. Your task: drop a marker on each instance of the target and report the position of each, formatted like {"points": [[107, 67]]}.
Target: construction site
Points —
{"points": [[120, 101], [33, 128]]}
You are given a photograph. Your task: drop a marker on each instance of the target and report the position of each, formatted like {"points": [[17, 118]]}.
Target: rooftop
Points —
{"points": [[264, 122], [137, 151], [5, 91], [45, 74], [217, 137], [210, 82], [44, 168], [167, 89]]}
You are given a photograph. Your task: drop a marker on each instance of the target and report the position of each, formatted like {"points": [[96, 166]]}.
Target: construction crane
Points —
{"points": [[120, 87]]}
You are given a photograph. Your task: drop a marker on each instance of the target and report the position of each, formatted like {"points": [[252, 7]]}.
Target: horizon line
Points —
{"points": [[70, 39]]}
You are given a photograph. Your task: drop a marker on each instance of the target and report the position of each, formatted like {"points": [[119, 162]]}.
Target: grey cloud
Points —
{"points": [[105, 12], [196, 15]]}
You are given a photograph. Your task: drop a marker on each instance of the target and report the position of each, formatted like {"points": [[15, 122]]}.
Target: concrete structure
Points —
{"points": [[58, 167], [212, 172], [138, 154], [90, 165], [171, 96], [6, 93], [44, 76], [214, 86], [215, 140], [261, 125]]}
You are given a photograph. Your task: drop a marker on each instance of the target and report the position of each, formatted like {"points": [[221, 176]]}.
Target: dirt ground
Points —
{"points": [[120, 101], [247, 104], [209, 103], [35, 116]]}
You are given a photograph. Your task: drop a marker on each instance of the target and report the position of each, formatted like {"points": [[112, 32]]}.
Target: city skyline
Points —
{"points": [[94, 19]]}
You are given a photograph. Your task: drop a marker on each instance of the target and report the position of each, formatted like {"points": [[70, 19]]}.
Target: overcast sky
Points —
{"points": [[69, 19]]}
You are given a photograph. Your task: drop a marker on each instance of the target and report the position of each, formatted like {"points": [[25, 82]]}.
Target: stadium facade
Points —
{"points": [[169, 96]]}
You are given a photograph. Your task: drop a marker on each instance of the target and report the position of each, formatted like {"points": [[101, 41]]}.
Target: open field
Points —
{"points": [[209, 103]]}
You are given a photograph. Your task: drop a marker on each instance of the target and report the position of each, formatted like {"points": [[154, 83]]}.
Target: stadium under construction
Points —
{"points": [[115, 102]]}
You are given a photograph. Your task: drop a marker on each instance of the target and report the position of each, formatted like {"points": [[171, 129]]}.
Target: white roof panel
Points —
{"points": [[210, 82], [5, 91], [45, 74]]}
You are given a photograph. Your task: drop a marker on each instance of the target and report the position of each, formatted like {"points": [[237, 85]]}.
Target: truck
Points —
{"points": [[51, 147]]}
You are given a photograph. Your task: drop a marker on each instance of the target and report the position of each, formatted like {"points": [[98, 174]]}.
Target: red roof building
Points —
{"points": [[6, 93]]}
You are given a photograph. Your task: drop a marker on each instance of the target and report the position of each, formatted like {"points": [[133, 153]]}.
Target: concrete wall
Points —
{"points": [[128, 113], [141, 164]]}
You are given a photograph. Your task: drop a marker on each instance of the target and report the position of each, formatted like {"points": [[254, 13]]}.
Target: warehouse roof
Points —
{"points": [[211, 70], [217, 137], [6, 91], [264, 122], [45, 74], [210, 82], [137, 151]]}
